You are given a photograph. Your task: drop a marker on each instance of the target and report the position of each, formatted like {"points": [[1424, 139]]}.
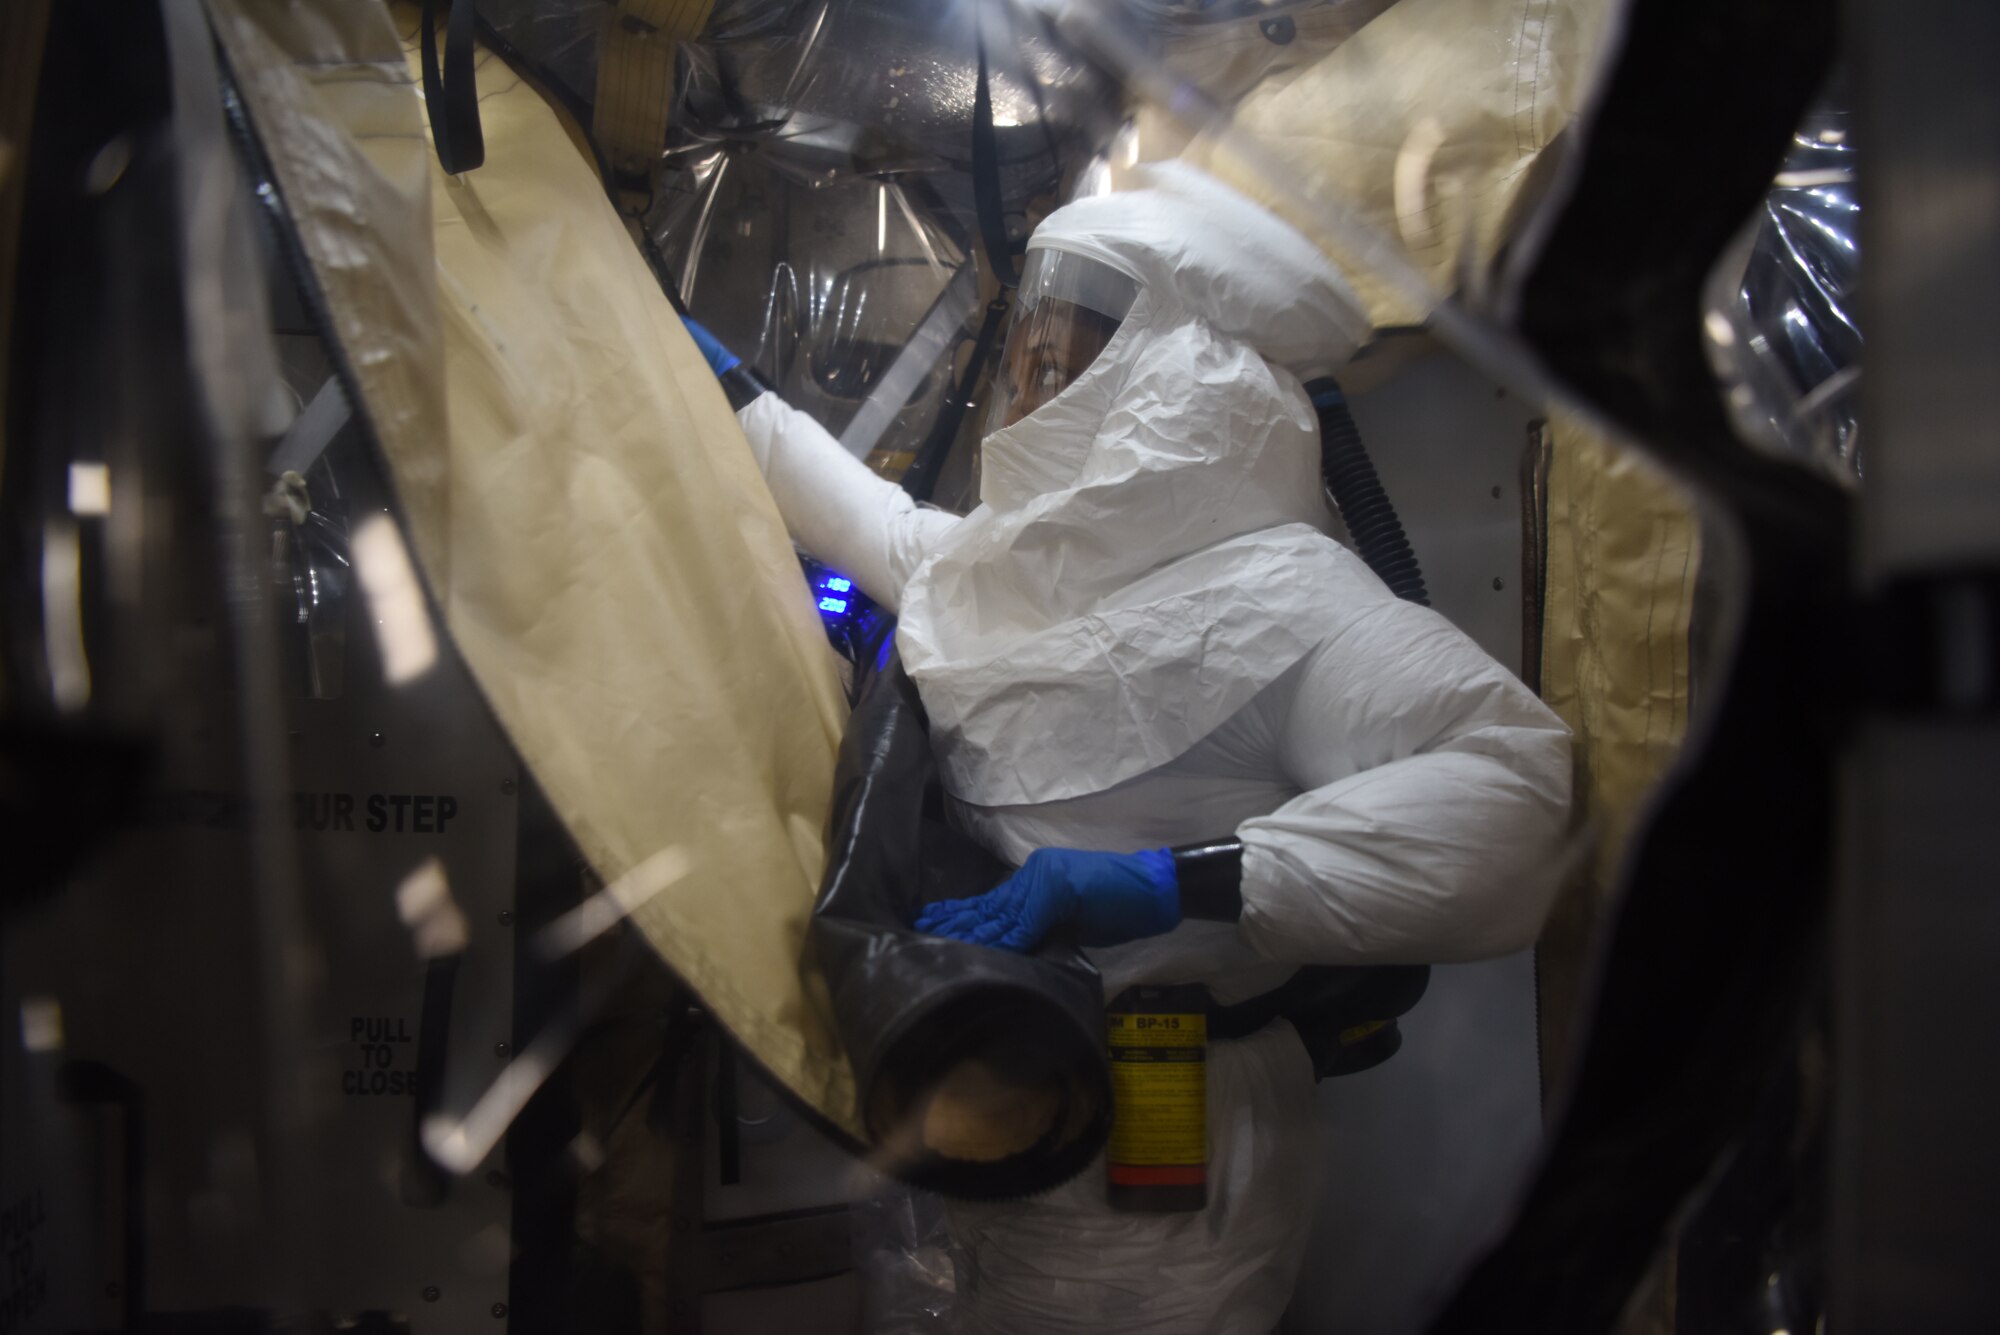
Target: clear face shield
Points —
{"points": [[1067, 308]]}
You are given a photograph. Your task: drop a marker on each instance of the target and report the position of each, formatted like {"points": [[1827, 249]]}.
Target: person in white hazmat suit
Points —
{"points": [[1144, 637]]}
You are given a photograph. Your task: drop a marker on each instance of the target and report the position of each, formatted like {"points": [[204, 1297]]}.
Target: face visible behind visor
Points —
{"points": [[1067, 308]]}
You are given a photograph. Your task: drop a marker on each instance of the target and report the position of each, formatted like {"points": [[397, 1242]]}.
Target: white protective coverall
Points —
{"points": [[1144, 636]]}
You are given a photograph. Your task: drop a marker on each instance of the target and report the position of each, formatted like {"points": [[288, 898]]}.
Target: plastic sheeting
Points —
{"points": [[815, 205], [591, 523], [1783, 330], [822, 285]]}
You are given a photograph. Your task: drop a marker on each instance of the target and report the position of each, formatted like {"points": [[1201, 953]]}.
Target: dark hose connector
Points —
{"points": [[1364, 504]]}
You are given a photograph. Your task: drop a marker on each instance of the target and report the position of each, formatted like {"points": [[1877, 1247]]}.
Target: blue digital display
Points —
{"points": [[845, 610]]}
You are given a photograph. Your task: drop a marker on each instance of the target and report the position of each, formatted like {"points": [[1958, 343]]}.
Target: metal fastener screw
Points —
{"points": [[506, 917], [508, 787], [501, 1049], [1496, 493], [375, 739], [1498, 584], [499, 1311], [432, 1293]]}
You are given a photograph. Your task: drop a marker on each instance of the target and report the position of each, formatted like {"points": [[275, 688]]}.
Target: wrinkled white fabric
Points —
{"points": [[1142, 637], [1397, 793], [1064, 1263]]}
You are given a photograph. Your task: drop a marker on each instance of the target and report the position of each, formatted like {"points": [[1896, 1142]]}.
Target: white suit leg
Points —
{"points": [[1066, 1264]]}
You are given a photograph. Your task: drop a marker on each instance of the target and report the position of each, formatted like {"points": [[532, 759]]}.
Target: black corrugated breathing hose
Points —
{"points": [[1357, 490]]}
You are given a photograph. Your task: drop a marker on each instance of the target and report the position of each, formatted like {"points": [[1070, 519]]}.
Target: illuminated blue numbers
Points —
{"points": [[842, 606]]}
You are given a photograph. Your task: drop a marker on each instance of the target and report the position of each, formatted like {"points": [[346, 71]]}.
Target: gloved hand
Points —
{"points": [[719, 358], [1111, 897]]}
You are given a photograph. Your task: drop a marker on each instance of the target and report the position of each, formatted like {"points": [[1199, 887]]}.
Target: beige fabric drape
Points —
{"points": [[586, 512], [1624, 548], [1427, 126]]}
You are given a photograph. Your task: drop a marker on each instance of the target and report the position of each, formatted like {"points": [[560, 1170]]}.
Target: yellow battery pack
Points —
{"points": [[1157, 1157]]}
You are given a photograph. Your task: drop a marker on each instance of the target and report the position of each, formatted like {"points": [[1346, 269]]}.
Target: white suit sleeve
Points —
{"points": [[861, 524], [1437, 801]]}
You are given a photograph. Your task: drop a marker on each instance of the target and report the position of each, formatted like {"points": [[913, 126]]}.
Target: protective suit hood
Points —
{"points": [[1224, 259], [1151, 548]]}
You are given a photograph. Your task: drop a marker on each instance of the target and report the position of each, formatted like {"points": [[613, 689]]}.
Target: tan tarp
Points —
{"points": [[1624, 547], [636, 52], [1425, 126], [591, 521], [1624, 550]]}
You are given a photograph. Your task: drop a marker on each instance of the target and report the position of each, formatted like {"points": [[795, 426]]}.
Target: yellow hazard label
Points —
{"points": [[1159, 1089]]}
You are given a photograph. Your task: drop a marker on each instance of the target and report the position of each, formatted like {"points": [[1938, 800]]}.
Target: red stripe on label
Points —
{"points": [[1157, 1175]]}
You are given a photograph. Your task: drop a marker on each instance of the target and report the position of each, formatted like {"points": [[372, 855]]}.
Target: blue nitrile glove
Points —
{"points": [[1111, 897], [719, 358]]}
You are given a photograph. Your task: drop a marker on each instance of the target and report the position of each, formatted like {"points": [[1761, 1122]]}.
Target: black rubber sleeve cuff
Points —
{"points": [[1210, 874], [742, 385]]}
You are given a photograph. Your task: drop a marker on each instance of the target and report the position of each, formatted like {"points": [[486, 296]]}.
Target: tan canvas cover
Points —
{"points": [[1624, 548], [1426, 125], [583, 505]]}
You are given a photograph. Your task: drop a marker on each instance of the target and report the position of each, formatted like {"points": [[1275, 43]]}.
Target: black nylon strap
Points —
{"points": [[986, 180], [451, 96], [1210, 874], [742, 386]]}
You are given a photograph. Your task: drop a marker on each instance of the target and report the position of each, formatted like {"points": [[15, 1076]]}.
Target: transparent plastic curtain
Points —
{"points": [[815, 205], [1784, 333], [820, 281], [558, 38]]}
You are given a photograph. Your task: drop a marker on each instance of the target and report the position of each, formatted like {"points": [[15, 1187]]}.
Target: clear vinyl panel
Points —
{"points": [[1782, 324], [816, 205]]}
